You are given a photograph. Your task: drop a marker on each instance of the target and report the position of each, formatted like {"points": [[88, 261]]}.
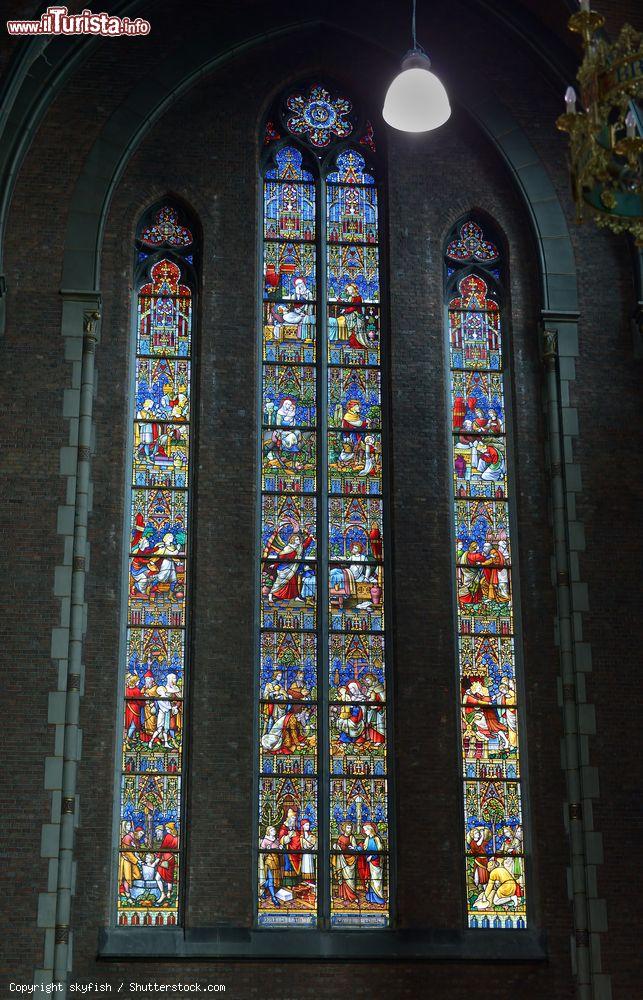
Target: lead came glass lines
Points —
{"points": [[150, 834], [288, 709], [493, 821], [323, 794], [357, 687]]}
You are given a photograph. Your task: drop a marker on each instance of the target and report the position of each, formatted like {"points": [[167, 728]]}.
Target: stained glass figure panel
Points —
{"points": [[477, 401], [160, 454], [157, 591], [290, 273], [353, 336], [288, 832], [480, 466], [356, 596], [288, 882], [484, 596], [152, 731], [289, 591], [354, 398], [288, 739], [288, 660], [352, 278], [357, 658], [355, 527], [355, 463], [289, 461], [287, 519], [496, 898], [289, 395], [149, 848], [490, 657], [289, 332], [162, 389], [357, 734], [152, 878], [489, 737], [485, 522], [360, 879]]}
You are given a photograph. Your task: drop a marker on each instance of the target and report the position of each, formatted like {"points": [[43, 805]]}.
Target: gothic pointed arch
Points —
{"points": [[487, 605], [159, 501], [323, 808]]}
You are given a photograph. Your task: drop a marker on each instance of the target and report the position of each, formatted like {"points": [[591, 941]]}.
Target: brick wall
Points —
{"points": [[205, 150]]}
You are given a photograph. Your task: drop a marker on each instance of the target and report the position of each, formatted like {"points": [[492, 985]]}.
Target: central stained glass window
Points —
{"points": [[323, 839]]}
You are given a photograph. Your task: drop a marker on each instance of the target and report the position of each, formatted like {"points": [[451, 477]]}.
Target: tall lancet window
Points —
{"points": [[487, 612], [323, 837], [152, 754]]}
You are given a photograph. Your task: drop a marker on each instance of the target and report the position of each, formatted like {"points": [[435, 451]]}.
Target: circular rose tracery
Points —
{"points": [[318, 116]]}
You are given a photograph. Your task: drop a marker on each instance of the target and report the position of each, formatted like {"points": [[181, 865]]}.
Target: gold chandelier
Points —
{"points": [[606, 151]]}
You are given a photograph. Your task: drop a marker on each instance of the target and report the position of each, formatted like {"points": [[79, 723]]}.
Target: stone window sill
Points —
{"points": [[232, 943]]}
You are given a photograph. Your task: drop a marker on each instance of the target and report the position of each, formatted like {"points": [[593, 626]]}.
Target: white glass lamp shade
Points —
{"points": [[416, 101]]}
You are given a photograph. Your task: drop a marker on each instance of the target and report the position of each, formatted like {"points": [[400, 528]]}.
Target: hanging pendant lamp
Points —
{"points": [[416, 100]]}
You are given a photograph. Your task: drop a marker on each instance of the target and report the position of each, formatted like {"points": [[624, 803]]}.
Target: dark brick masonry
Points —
{"points": [[205, 149]]}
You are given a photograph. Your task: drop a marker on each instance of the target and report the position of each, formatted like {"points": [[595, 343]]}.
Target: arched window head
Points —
{"points": [[488, 647], [154, 652], [323, 837]]}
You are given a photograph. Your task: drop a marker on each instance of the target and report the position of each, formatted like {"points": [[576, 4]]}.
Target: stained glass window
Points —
{"points": [[486, 612], [155, 667], [323, 806], [357, 683]]}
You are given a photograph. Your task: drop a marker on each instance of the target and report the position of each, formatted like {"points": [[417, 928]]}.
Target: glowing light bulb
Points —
{"points": [[416, 100], [570, 101]]}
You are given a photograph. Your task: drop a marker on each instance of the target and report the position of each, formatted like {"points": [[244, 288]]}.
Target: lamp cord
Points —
{"points": [[413, 27]]}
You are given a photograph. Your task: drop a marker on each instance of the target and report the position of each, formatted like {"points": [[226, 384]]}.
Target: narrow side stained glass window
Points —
{"points": [[155, 669], [486, 606]]}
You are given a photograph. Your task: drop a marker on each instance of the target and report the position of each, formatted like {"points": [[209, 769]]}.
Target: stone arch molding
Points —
{"points": [[146, 104], [89, 207]]}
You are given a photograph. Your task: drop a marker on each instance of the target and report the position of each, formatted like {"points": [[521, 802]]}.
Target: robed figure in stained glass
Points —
{"points": [[483, 571], [322, 544], [288, 567]]}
